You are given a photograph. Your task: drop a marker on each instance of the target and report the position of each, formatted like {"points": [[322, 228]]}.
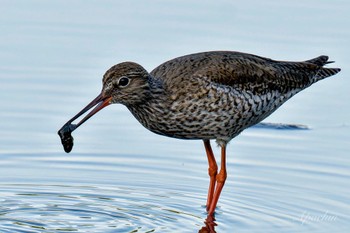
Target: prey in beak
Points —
{"points": [[65, 132]]}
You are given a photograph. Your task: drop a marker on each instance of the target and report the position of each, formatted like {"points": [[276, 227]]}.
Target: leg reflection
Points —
{"points": [[209, 225]]}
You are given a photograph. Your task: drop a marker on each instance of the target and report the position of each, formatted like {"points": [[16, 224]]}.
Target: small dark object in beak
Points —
{"points": [[67, 140], [65, 132]]}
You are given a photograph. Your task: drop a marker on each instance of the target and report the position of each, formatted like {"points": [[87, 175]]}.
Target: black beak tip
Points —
{"points": [[67, 140]]}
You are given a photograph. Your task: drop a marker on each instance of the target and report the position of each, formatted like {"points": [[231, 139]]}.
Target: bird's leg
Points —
{"points": [[212, 170], [220, 181]]}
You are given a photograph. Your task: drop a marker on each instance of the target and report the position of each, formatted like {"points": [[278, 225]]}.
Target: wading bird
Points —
{"points": [[209, 95]]}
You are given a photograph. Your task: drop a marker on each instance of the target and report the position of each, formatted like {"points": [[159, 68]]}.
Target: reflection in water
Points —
{"points": [[51, 61], [151, 192], [266, 125], [209, 225]]}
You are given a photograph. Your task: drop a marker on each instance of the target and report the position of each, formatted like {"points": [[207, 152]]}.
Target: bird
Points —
{"points": [[204, 96]]}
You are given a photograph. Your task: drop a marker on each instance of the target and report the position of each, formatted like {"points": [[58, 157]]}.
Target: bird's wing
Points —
{"points": [[241, 71], [259, 76]]}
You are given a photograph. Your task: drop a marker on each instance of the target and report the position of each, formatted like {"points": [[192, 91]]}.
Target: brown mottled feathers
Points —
{"points": [[245, 71], [210, 95]]}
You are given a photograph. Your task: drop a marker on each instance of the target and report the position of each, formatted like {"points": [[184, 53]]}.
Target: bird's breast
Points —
{"points": [[208, 113]]}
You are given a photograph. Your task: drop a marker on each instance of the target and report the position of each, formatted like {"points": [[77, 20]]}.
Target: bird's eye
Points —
{"points": [[123, 81]]}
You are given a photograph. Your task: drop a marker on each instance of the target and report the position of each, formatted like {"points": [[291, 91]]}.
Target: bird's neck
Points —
{"points": [[156, 85], [149, 109], [149, 93]]}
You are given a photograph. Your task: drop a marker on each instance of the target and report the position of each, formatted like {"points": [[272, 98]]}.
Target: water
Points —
{"points": [[122, 178]]}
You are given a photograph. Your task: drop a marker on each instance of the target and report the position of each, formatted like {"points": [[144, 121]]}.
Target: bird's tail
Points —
{"points": [[323, 72]]}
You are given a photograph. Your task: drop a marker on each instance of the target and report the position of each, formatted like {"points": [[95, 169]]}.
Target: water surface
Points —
{"points": [[121, 177]]}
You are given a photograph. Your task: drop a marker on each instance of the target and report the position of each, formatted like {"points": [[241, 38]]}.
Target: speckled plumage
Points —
{"points": [[211, 95]]}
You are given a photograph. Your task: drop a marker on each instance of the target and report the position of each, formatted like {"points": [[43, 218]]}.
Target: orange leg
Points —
{"points": [[212, 170], [220, 181]]}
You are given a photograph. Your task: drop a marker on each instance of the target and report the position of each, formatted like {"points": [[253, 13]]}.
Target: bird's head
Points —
{"points": [[126, 83]]}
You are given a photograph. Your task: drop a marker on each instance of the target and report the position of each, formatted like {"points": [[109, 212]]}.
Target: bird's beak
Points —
{"points": [[99, 102], [65, 132]]}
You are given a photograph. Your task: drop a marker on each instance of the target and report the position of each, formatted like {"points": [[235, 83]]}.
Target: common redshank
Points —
{"points": [[209, 95]]}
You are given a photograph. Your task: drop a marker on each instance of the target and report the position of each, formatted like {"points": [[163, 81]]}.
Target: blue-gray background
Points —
{"points": [[121, 177]]}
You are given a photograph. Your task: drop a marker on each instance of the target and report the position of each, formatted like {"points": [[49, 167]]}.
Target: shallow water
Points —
{"points": [[122, 178]]}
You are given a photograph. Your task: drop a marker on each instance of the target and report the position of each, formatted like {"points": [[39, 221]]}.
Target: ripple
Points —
{"points": [[279, 189], [29, 207]]}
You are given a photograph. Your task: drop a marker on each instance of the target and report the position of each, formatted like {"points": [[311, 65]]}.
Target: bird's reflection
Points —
{"points": [[209, 226]]}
